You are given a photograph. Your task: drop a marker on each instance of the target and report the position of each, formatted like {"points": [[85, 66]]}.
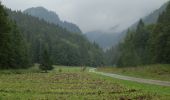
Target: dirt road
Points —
{"points": [[140, 80]]}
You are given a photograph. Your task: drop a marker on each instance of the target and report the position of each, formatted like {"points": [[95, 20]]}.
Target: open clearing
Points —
{"points": [[70, 83]]}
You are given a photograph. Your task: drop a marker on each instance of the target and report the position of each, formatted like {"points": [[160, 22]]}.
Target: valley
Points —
{"points": [[84, 50], [72, 83]]}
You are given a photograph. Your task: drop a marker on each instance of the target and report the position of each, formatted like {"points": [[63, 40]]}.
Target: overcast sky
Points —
{"points": [[92, 15]]}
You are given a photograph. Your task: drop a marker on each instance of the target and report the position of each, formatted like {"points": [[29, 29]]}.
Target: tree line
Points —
{"points": [[26, 40], [13, 47], [148, 44]]}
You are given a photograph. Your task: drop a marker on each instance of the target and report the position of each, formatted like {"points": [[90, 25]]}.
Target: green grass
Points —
{"points": [[70, 83], [158, 72], [162, 91]]}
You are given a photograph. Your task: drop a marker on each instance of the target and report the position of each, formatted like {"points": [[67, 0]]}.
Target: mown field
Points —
{"points": [[158, 72], [71, 83]]}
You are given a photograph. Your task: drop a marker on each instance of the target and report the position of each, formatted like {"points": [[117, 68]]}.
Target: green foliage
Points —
{"points": [[23, 44], [134, 50], [160, 44], [146, 45], [52, 17], [60, 70], [45, 61], [64, 47], [13, 48]]}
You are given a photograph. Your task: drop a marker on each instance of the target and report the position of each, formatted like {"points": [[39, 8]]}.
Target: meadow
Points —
{"points": [[71, 83], [158, 72]]}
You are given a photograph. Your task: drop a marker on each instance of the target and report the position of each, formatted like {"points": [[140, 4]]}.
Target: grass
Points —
{"points": [[70, 83], [162, 92], [158, 72]]}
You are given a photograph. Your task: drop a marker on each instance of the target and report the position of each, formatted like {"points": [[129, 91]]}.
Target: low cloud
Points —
{"points": [[92, 15]]}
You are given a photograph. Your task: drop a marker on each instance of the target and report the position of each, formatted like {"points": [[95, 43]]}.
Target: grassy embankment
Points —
{"points": [[70, 83], [158, 72]]}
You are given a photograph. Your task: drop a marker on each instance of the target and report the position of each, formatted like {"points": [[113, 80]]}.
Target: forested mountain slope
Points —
{"points": [[151, 18], [64, 47], [148, 44], [52, 17], [106, 40]]}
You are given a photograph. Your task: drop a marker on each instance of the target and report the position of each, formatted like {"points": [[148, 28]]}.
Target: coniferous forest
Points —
{"points": [[148, 44], [24, 38], [43, 57], [14, 51]]}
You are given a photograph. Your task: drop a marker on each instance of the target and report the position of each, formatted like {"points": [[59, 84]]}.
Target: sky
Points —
{"points": [[92, 15]]}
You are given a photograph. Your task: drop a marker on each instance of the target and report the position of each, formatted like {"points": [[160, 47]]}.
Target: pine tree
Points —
{"points": [[134, 50], [65, 48], [141, 42], [5, 38], [13, 48], [128, 53], [45, 61], [160, 43]]}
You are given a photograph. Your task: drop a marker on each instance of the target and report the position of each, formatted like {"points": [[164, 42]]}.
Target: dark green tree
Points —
{"points": [[160, 42], [128, 54], [147, 44], [141, 38], [13, 48], [5, 38], [134, 50], [45, 61], [64, 47]]}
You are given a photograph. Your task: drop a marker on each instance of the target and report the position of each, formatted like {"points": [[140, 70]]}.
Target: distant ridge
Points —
{"points": [[108, 40], [152, 17], [52, 17]]}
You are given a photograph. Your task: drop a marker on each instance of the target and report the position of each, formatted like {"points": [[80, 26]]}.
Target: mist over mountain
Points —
{"points": [[105, 39], [52, 17], [152, 17], [111, 37]]}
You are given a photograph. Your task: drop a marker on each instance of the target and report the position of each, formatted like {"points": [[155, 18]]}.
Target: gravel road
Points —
{"points": [[140, 80]]}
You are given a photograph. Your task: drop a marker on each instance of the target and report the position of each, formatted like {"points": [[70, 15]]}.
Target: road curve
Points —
{"points": [[140, 80]]}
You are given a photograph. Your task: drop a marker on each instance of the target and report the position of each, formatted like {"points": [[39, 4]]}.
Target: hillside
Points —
{"points": [[65, 48], [51, 17], [148, 44], [44, 58], [106, 40], [151, 18]]}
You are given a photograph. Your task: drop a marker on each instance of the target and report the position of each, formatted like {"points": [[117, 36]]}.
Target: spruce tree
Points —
{"points": [[134, 49], [160, 43], [5, 38], [13, 49], [45, 61]]}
